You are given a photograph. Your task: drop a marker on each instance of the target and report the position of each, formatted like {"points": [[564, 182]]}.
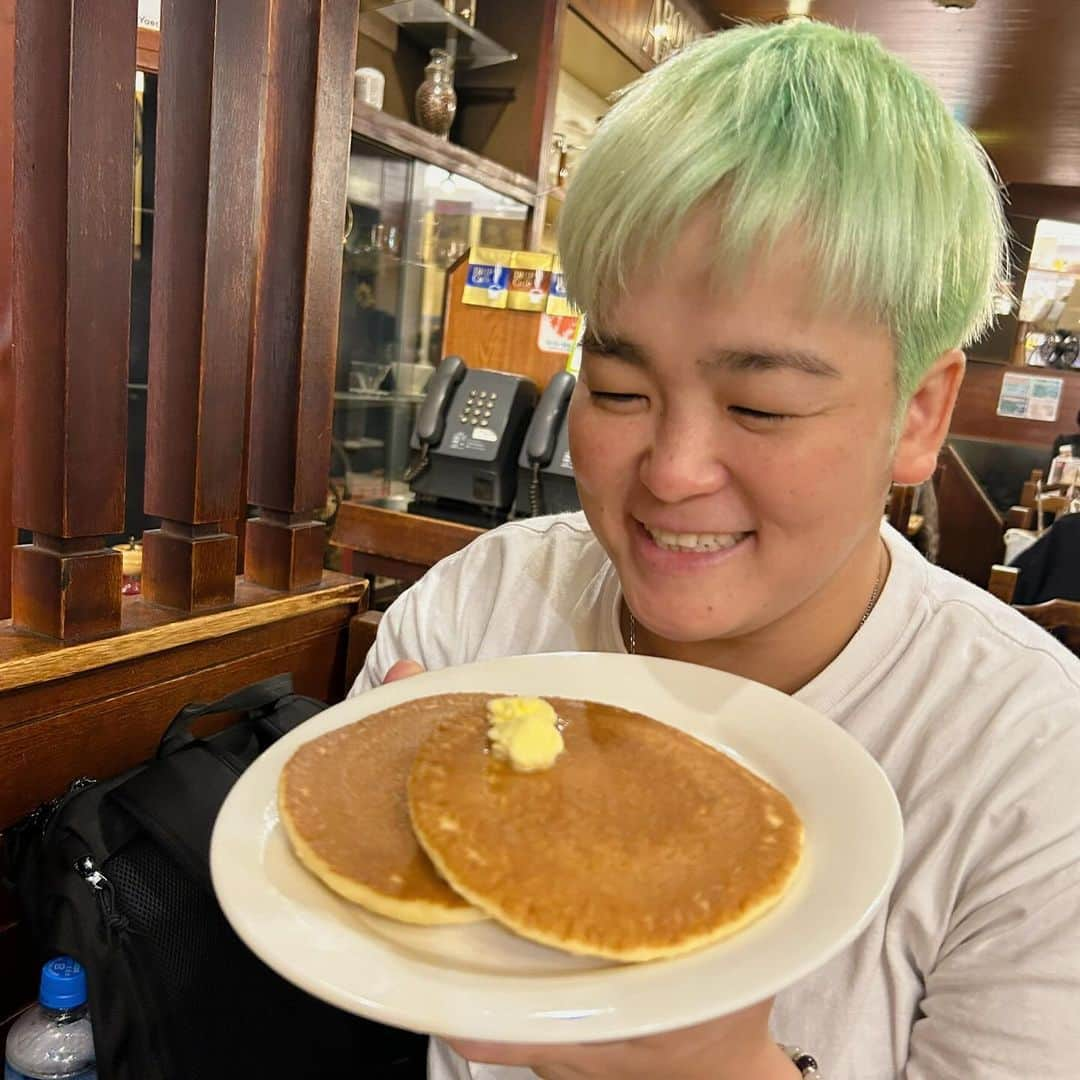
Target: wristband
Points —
{"points": [[802, 1061]]}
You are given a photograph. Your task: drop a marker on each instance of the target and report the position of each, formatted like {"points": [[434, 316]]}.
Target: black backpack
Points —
{"points": [[116, 874]]}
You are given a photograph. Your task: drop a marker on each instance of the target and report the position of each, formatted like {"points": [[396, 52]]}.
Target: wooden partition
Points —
{"points": [[970, 528], [211, 97], [74, 131], [7, 369], [305, 155], [250, 186]]}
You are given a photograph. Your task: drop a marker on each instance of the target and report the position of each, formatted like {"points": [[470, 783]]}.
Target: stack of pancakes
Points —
{"points": [[639, 842]]}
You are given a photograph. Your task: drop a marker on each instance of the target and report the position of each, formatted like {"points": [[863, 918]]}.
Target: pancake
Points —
{"points": [[640, 842], [343, 807]]}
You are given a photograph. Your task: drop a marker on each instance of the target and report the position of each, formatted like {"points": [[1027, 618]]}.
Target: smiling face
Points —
{"points": [[733, 449]]}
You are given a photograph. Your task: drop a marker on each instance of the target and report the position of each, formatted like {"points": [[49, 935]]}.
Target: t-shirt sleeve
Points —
{"points": [[437, 621], [1001, 1001]]}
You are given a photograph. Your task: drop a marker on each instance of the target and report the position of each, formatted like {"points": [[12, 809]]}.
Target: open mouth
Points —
{"points": [[694, 542]]}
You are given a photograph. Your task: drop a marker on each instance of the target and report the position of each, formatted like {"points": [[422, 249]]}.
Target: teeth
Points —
{"points": [[694, 541]]}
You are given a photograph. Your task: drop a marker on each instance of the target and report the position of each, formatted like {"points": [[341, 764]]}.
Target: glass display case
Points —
{"points": [[405, 223]]}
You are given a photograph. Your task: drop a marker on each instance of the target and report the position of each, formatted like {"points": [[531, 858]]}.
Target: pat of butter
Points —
{"points": [[523, 732]]}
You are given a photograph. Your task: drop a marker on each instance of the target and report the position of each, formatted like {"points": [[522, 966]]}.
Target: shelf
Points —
{"points": [[377, 397], [430, 24], [377, 260], [364, 443], [411, 141]]}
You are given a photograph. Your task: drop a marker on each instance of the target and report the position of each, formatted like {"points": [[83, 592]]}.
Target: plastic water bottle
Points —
{"points": [[53, 1040]]}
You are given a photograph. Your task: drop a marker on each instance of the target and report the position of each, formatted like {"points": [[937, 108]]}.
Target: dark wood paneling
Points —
{"points": [[969, 527], [409, 538], [26, 702], [504, 111], [105, 736], [363, 630], [1006, 67], [73, 179], [26, 659], [1044, 201], [975, 416], [74, 130], [305, 162], [148, 49], [7, 372], [211, 93]]}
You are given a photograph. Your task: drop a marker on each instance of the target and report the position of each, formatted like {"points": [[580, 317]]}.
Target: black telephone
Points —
{"points": [[468, 433], [545, 472]]}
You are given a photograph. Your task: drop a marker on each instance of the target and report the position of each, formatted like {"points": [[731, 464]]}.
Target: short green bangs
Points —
{"points": [[807, 125]]}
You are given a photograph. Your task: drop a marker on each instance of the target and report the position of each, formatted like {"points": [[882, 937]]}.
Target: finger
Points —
{"points": [[403, 669]]}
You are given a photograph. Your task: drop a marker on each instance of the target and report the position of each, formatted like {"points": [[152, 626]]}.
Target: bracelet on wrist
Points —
{"points": [[802, 1061]]}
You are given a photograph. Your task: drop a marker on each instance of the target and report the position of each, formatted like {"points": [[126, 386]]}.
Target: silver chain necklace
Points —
{"points": [[865, 615]]}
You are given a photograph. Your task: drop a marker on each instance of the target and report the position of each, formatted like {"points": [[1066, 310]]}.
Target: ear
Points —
{"points": [[926, 419]]}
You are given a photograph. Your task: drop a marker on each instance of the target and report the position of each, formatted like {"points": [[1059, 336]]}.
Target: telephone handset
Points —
{"points": [[468, 434], [431, 418], [546, 477], [544, 427]]}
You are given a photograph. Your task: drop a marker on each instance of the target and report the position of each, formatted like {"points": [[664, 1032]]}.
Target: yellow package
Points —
{"points": [[557, 302], [487, 278], [530, 275]]}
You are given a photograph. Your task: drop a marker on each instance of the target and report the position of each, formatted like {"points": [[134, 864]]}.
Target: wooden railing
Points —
{"points": [[253, 137]]}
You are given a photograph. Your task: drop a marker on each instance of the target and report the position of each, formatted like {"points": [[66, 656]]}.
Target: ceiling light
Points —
{"points": [[955, 5]]}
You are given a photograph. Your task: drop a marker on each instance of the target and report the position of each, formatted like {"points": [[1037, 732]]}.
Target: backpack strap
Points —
{"points": [[260, 696]]}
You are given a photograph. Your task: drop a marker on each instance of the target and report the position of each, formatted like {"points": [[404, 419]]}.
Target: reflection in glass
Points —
{"points": [[406, 223]]}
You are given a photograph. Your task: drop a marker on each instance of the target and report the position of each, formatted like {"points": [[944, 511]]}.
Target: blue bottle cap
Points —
{"points": [[63, 984]]}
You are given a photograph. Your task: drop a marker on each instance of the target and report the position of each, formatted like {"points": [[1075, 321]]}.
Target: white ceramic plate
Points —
{"points": [[483, 982]]}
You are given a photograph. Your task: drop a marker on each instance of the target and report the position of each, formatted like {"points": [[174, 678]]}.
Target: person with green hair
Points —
{"points": [[782, 241]]}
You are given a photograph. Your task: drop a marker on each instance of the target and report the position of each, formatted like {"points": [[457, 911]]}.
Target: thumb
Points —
{"points": [[403, 669]]}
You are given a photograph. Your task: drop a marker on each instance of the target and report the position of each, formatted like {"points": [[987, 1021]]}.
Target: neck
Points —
{"points": [[788, 653]]}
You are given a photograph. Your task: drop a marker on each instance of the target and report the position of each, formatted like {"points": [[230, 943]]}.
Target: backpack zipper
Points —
{"points": [[115, 922]]}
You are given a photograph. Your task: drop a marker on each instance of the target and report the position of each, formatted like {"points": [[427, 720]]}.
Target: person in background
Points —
{"points": [[781, 240], [1072, 440]]}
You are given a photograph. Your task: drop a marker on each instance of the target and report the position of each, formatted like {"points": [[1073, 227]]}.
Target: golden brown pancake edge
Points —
{"points": [[347, 825]]}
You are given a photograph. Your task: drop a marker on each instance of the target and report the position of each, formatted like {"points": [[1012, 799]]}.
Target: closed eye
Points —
{"points": [[619, 404], [759, 414]]}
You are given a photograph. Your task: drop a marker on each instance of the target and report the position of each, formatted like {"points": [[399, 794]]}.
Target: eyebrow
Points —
{"points": [[746, 359]]}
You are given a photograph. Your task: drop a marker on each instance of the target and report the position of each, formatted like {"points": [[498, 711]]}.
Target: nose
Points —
{"points": [[686, 458]]}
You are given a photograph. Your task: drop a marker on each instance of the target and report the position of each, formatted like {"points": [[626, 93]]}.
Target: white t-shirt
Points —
{"points": [[972, 969]]}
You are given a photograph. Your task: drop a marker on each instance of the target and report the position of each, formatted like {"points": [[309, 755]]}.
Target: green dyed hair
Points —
{"points": [[798, 124]]}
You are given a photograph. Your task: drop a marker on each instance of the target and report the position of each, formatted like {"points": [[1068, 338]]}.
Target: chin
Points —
{"points": [[683, 632]]}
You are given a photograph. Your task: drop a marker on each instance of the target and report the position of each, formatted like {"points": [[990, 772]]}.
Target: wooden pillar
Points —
{"points": [[74, 131], [306, 149], [211, 94], [7, 370]]}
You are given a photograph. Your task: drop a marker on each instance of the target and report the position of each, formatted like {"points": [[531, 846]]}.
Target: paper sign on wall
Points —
{"points": [[150, 14], [1030, 397], [557, 333]]}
